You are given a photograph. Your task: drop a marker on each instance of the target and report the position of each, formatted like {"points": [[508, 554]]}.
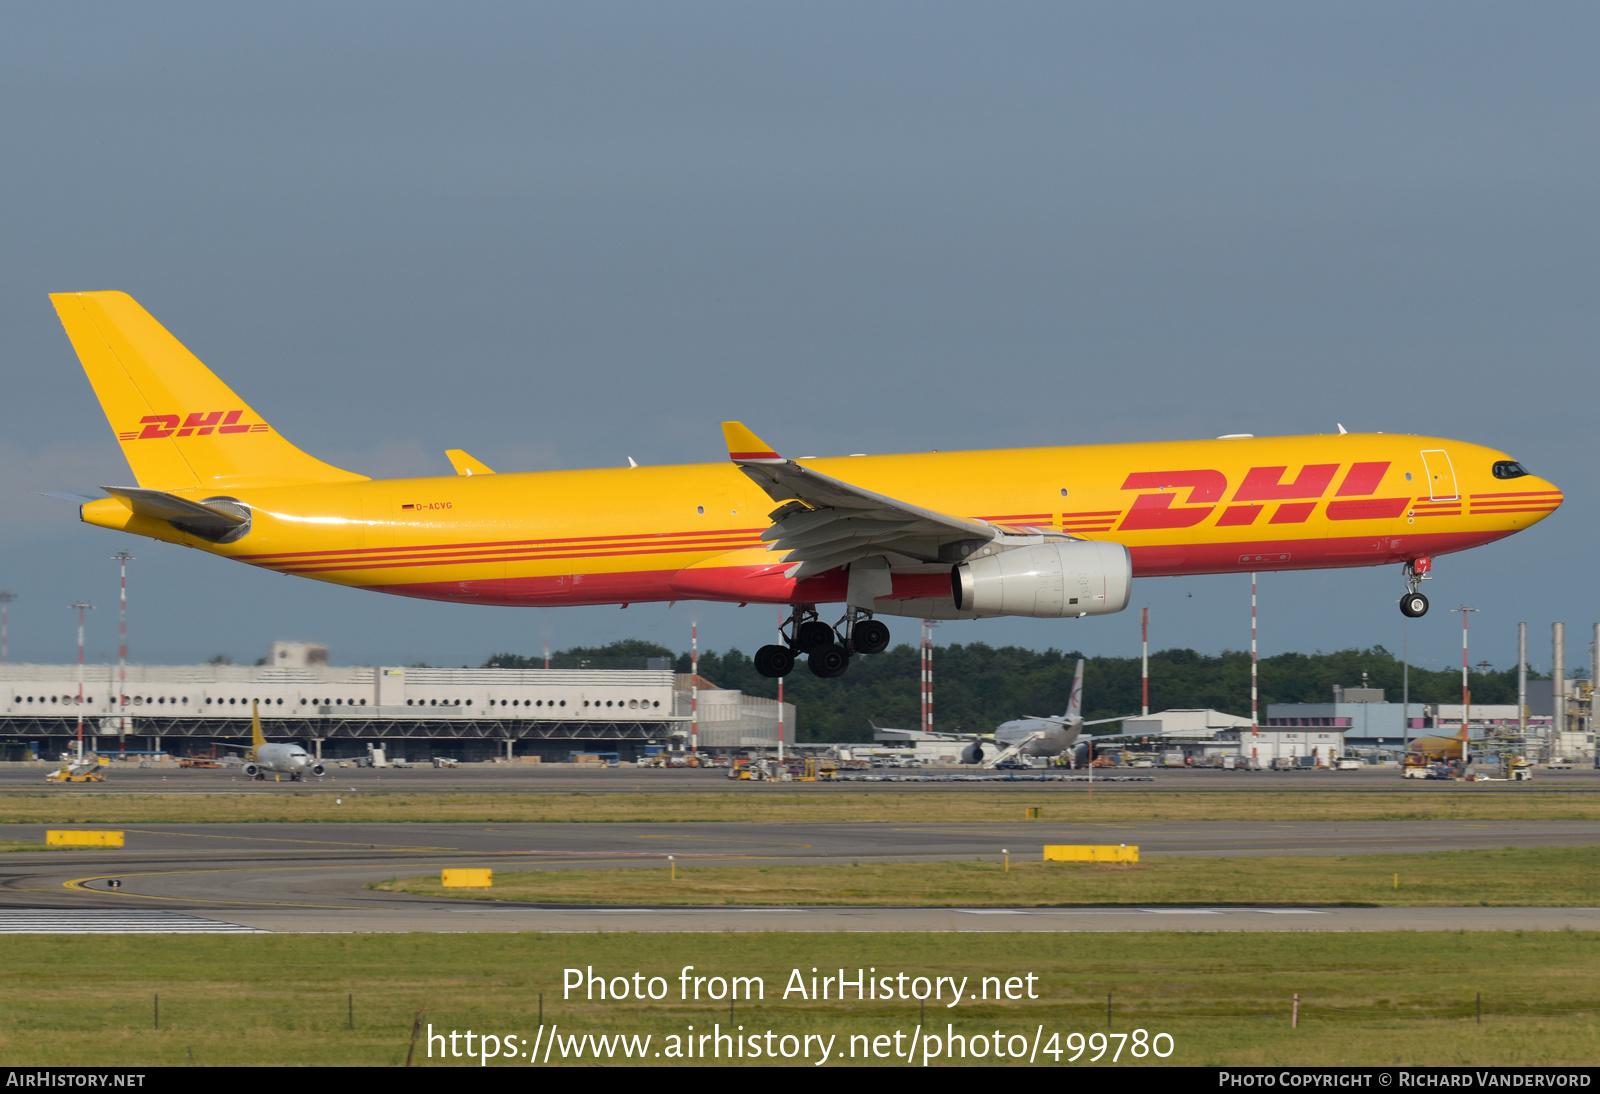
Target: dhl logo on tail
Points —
{"points": [[198, 424]]}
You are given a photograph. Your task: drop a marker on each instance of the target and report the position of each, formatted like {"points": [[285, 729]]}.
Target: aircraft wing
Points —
{"points": [[825, 522], [1060, 721], [1120, 736]]}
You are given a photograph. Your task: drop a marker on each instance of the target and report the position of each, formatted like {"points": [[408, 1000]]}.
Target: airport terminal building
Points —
{"points": [[414, 713]]}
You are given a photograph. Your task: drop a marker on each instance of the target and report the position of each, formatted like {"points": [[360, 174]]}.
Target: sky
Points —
{"points": [[563, 235]]}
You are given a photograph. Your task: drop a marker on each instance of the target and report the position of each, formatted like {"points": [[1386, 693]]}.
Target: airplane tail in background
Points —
{"points": [[180, 427], [1075, 704], [257, 738]]}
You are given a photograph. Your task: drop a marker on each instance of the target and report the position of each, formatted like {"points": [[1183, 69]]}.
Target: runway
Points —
{"points": [[128, 778], [309, 878], [436, 917]]}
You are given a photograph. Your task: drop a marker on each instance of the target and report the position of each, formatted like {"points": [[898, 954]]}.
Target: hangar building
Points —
{"points": [[415, 712]]}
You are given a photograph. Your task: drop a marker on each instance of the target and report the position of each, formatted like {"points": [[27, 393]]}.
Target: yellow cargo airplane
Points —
{"points": [[1045, 532]]}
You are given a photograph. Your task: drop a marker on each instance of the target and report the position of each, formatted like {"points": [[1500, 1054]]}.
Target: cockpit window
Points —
{"points": [[1509, 469]]}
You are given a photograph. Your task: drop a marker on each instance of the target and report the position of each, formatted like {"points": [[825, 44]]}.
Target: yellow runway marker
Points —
{"points": [[74, 837]]}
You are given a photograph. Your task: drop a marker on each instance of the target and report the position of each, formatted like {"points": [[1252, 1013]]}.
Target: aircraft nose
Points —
{"points": [[1524, 500], [1543, 498]]}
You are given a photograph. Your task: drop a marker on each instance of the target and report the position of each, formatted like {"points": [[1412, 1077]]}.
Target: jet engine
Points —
{"points": [[1045, 580], [972, 754], [318, 770], [250, 771]]}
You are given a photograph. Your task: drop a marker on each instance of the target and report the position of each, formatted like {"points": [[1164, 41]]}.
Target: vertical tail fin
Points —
{"points": [[257, 739], [1075, 704], [180, 427]]}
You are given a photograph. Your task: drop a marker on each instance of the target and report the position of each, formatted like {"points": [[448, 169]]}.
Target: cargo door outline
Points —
{"points": [[1441, 473]]}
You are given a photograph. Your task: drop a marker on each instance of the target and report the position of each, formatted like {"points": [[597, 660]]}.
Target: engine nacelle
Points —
{"points": [[250, 771], [1046, 580], [972, 754], [318, 770]]}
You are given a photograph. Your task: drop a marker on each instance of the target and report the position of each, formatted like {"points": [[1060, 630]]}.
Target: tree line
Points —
{"points": [[977, 686]]}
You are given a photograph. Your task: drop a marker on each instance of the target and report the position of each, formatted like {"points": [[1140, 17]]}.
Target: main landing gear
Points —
{"points": [[827, 650], [1414, 605]]}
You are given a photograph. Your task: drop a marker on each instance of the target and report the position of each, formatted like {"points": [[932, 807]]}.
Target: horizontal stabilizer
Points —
{"points": [[191, 516]]}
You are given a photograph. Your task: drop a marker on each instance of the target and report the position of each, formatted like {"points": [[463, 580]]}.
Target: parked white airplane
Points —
{"points": [[1037, 735], [265, 759]]}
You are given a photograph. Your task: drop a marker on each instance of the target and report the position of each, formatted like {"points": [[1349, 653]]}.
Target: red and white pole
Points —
{"points": [[1144, 660], [1255, 719], [1466, 694], [927, 675], [123, 557], [81, 606], [922, 677], [694, 687]]}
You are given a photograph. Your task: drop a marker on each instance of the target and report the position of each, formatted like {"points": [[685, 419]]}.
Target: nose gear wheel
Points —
{"points": [[1414, 605]]}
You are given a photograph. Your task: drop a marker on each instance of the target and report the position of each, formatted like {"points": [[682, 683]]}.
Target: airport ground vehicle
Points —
{"points": [[91, 770], [1048, 532]]}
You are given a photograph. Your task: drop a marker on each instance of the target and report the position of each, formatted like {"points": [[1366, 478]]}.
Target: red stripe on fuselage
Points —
{"points": [[765, 584], [558, 541], [379, 556], [541, 557]]}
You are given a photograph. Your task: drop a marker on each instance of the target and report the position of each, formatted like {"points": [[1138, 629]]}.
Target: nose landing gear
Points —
{"points": [[1414, 605], [826, 653]]}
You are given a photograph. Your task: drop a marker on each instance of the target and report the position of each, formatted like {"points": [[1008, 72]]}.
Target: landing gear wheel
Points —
{"points": [[774, 661], [813, 636], [830, 661], [1413, 605], [870, 637]]}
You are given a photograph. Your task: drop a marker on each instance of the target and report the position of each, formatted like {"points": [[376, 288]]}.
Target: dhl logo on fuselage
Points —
{"points": [[199, 424], [1292, 500], [1296, 498]]}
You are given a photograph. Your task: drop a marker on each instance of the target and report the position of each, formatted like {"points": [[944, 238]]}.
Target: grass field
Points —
{"points": [[1554, 876], [67, 805], [1223, 998], [22, 845]]}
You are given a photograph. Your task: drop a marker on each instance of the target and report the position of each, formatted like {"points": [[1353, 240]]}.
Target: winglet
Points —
{"points": [[745, 445], [466, 464]]}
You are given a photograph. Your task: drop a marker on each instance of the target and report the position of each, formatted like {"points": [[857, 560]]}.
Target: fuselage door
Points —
{"points": [[1441, 475]]}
